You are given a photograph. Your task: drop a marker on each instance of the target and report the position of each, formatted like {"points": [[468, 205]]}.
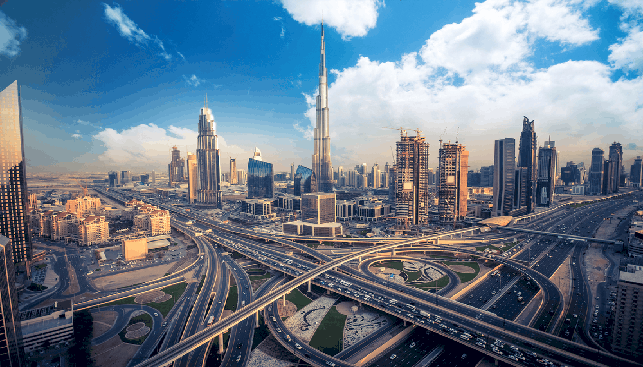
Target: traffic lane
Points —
{"points": [[411, 351]]}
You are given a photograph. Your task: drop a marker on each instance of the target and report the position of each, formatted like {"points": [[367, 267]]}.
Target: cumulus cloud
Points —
{"points": [[11, 35], [628, 54], [475, 76], [193, 80], [351, 18], [131, 31], [76, 136], [148, 145]]}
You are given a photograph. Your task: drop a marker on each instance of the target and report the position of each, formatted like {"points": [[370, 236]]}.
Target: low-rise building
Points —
{"points": [[260, 209], [134, 248], [47, 326], [92, 230]]}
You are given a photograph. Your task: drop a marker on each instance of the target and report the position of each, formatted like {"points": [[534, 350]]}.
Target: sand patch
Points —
{"points": [[113, 353], [126, 279], [345, 308], [462, 269], [103, 321], [286, 310], [73, 281], [156, 296]]}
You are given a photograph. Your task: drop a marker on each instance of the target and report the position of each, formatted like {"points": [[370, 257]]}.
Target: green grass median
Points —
{"points": [[298, 299], [231, 301], [330, 333]]}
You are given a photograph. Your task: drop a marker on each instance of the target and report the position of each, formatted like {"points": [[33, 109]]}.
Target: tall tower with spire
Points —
{"points": [[322, 166], [207, 154]]}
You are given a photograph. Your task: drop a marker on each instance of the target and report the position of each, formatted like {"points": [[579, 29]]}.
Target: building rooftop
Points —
{"points": [[634, 274]]}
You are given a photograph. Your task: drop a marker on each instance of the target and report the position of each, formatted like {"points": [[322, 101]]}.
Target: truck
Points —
{"points": [[425, 314]]}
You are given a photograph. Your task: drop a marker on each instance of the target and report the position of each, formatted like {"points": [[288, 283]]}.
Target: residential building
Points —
{"points": [[596, 172], [11, 351], [628, 321], [193, 178], [92, 229], [321, 162], [152, 220], [14, 221], [83, 206], [452, 182], [527, 159], [504, 171], [412, 186], [207, 154]]}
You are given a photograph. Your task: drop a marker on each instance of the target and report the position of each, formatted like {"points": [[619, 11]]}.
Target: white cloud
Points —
{"points": [[10, 36], [193, 80], [629, 6], [628, 54], [351, 18], [131, 31], [495, 86], [180, 54], [76, 136]]}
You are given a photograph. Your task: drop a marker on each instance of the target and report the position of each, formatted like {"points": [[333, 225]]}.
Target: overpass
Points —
{"points": [[562, 235]]}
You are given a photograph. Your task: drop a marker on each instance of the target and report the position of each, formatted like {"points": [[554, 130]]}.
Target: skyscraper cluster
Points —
{"points": [[605, 176]]}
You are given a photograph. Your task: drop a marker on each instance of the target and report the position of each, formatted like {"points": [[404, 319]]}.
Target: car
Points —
{"points": [[412, 345], [393, 356], [238, 358], [155, 314]]}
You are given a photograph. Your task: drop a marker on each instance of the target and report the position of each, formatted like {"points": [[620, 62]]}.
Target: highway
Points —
{"points": [[456, 311]]}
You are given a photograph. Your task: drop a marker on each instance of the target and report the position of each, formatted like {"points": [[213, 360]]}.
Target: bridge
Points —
{"points": [[570, 237]]}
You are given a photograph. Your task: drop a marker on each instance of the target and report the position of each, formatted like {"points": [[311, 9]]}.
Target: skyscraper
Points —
{"points": [[305, 181], [504, 170], [527, 159], [153, 177], [292, 172], [207, 155], [113, 179], [636, 172], [546, 175], [375, 172], [596, 172], [616, 165], [452, 182], [176, 167], [193, 177], [321, 156], [126, 177], [412, 186], [10, 333], [233, 171], [260, 178], [13, 181]]}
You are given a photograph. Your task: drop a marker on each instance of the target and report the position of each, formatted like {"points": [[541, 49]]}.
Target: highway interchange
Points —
{"points": [[458, 319]]}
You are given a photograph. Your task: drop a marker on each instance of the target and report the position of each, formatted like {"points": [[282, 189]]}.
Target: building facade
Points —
{"points": [[261, 182], [596, 172], [504, 171], [546, 175], [628, 322], [11, 353], [14, 222], [193, 178], [412, 186], [154, 221], [176, 167], [82, 206], [452, 182], [134, 248], [318, 208], [48, 326], [527, 159], [322, 165], [207, 154]]}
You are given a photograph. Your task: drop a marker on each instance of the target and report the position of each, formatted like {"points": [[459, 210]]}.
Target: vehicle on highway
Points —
{"points": [[393, 356]]}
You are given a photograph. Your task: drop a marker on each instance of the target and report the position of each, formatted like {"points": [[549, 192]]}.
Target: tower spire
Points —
{"points": [[206, 99]]}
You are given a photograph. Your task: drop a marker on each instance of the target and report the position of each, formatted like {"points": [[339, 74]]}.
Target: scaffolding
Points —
{"points": [[412, 183], [452, 182]]}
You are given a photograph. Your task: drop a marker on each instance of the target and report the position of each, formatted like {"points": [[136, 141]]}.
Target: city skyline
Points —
{"points": [[553, 68]]}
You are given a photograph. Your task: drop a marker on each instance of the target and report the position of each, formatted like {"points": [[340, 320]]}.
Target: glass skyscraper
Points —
{"points": [[207, 156], [10, 334], [13, 182], [527, 159], [305, 181], [260, 179]]}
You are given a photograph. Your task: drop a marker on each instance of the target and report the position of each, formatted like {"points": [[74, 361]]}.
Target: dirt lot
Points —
{"points": [[153, 296], [113, 353], [288, 310], [73, 281], [112, 282], [103, 321], [462, 269]]}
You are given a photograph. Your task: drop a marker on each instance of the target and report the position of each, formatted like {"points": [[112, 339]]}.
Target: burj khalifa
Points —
{"points": [[322, 166]]}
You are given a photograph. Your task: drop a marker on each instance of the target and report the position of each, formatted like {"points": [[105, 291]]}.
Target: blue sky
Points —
{"points": [[113, 85]]}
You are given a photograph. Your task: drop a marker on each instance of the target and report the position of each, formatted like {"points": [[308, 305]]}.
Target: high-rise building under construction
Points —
{"points": [[452, 182], [412, 183]]}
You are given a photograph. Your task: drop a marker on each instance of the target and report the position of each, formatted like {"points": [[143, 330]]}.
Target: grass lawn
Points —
{"points": [[233, 297], [413, 276], [257, 277], [176, 291], [465, 277], [147, 319], [298, 299], [329, 334], [440, 283], [392, 264]]}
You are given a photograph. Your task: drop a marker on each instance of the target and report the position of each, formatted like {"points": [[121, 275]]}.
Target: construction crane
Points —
{"points": [[83, 187], [401, 129]]}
